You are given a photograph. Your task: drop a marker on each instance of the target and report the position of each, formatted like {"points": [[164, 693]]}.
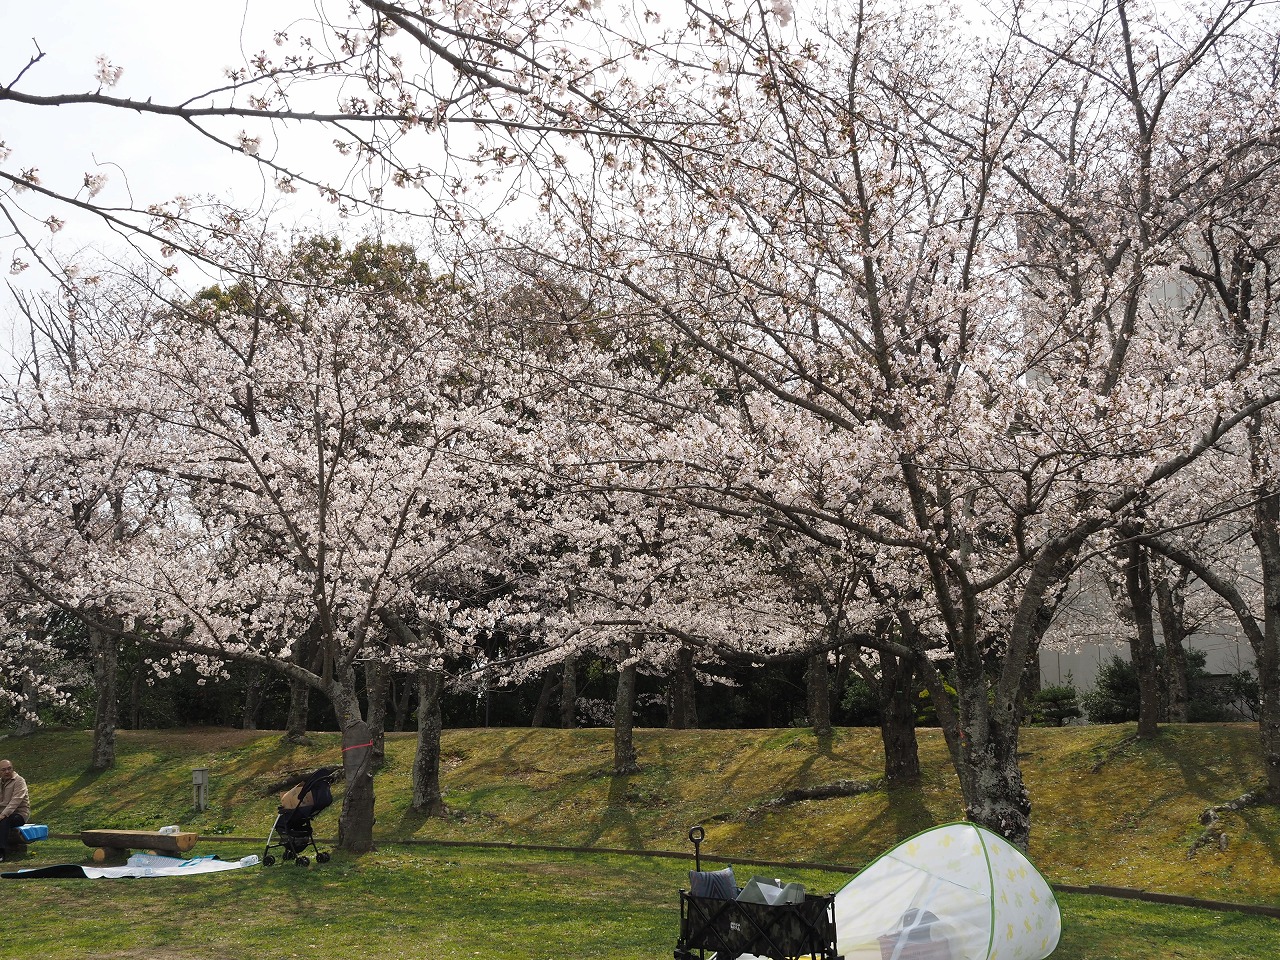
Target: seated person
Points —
{"points": [[15, 804]]}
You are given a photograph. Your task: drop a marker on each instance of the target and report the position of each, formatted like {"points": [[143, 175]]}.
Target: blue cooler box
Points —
{"points": [[34, 831]]}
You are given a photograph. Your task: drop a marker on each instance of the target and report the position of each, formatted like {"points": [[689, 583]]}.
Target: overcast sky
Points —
{"points": [[168, 50]]}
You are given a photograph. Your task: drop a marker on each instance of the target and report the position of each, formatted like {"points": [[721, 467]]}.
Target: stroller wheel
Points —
{"points": [[302, 861], [268, 861], [289, 854], [322, 858]]}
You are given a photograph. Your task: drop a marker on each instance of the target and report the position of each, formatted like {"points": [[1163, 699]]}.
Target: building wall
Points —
{"points": [[1226, 654]]}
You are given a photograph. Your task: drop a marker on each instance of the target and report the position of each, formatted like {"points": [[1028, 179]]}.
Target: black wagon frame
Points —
{"points": [[781, 931]]}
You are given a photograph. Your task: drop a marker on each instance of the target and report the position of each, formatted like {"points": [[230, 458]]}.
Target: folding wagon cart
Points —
{"points": [[763, 919]]}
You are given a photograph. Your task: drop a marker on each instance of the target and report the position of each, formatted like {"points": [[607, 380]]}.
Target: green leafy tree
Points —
{"points": [[1115, 698], [1056, 706]]}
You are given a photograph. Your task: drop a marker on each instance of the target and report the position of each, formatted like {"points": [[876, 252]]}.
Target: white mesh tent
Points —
{"points": [[955, 892]]}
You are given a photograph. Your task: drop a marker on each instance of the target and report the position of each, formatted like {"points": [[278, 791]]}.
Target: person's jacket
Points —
{"points": [[14, 799]]}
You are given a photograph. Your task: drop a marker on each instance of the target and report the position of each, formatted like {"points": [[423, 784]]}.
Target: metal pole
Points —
{"points": [[697, 834]]}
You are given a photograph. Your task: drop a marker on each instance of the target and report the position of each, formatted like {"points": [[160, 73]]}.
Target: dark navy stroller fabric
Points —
{"points": [[314, 793]]}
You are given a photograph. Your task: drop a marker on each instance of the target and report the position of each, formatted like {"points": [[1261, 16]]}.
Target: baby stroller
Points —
{"points": [[310, 795]]}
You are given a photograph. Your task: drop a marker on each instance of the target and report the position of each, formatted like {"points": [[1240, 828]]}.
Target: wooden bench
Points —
{"points": [[18, 843], [118, 842]]}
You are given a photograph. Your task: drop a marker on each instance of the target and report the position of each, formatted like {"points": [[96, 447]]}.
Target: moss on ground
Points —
{"points": [[1108, 809]]}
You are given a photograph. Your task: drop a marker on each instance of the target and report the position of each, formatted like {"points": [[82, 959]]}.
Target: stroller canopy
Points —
{"points": [[955, 892], [314, 794]]}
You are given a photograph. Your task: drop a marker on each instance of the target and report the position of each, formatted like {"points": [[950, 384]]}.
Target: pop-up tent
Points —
{"points": [[955, 892]]}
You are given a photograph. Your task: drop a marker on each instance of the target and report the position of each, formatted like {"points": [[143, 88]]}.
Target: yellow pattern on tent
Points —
{"points": [[972, 886]]}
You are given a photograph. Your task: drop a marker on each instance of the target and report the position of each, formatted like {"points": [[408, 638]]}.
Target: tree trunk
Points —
{"points": [[427, 796], [105, 675], [135, 696], [1269, 722], [253, 700], [295, 730], [1266, 535], [1264, 637], [1169, 602], [569, 694], [304, 653], [994, 792], [1143, 648], [28, 707], [990, 778], [543, 708], [402, 703], [376, 675], [896, 695], [625, 760], [989, 714], [682, 693], [355, 823], [818, 694]]}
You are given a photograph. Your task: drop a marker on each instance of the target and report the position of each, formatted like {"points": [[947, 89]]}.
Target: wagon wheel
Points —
{"points": [[322, 858], [302, 861]]}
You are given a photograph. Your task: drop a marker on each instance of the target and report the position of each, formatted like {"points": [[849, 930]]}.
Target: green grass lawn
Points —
{"points": [[1106, 811], [460, 903]]}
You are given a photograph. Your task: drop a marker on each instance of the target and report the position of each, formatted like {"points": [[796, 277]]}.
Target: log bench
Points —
{"points": [[118, 842], [17, 846]]}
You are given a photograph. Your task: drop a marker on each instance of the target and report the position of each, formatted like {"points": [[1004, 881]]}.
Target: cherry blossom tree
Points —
{"points": [[406, 108], [1231, 262], [614, 569], [927, 293], [937, 290], [322, 455], [70, 500]]}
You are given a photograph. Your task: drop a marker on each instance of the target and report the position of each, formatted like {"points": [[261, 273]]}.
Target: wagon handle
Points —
{"points": [[696, 836]]}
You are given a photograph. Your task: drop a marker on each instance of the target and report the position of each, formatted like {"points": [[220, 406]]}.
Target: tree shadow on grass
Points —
{"points": [[86, 779], [411, 821], [905, 814], [623, 797], [1260, 831]]}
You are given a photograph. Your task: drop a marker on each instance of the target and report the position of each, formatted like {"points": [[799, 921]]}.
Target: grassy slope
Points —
{"points": [[1130, 823]]}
